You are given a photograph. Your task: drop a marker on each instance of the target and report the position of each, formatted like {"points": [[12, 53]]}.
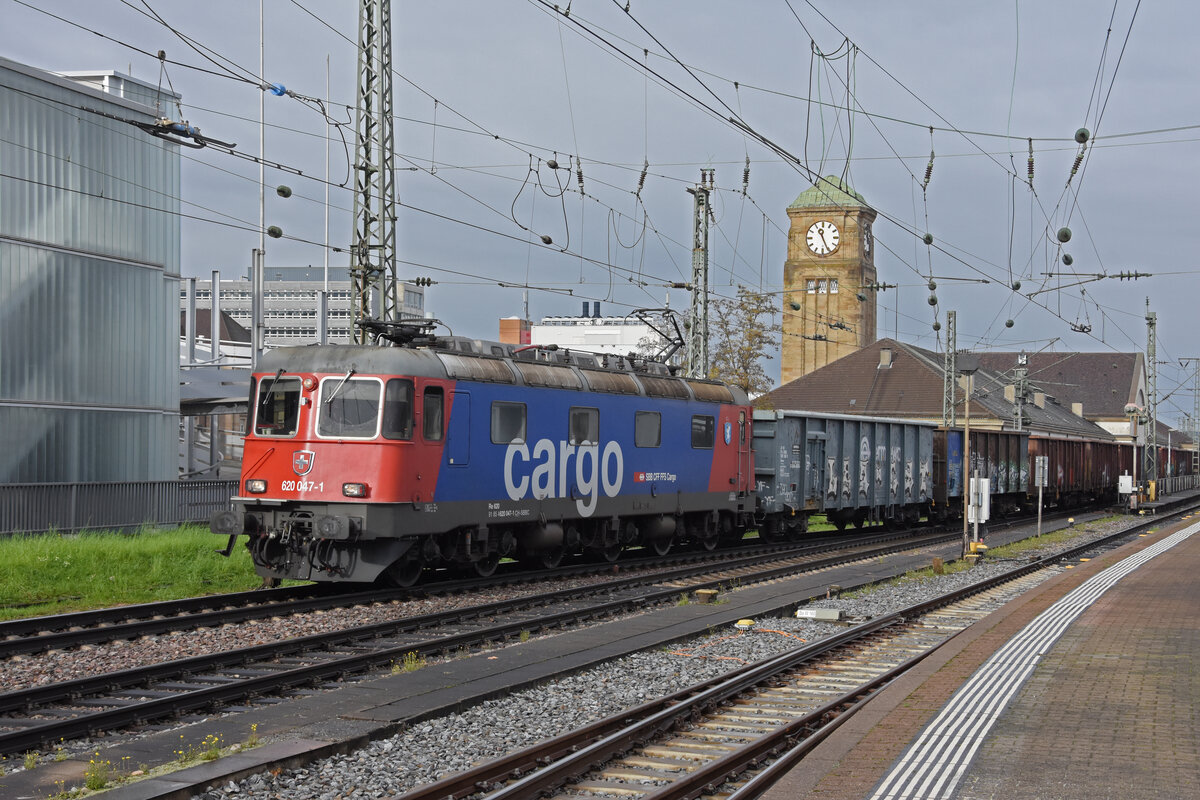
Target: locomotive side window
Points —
{"points": [[349, 409], [703, 432], [398, 410], [584, 426], [250, 405], [647, 429], [277, 412], [508, 422], [432, 414]]}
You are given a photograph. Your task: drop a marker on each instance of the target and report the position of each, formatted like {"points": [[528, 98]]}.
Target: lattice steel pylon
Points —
{"points": [[1194, 427], [697, 351], [373, 246], [1150, 451], [950, 373]]}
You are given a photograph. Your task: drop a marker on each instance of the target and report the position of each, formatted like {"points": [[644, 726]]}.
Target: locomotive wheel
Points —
{"points": [[405, 572], [486, 566], [708, 544], [661, 546], [547, 559], [772, 533], [609, 553]]}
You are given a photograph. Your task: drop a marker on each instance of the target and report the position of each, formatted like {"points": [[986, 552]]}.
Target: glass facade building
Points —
{"points": [[89, 281]]}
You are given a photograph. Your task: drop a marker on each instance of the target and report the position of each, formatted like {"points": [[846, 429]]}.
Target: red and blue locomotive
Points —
{"points": [[363, 463]]}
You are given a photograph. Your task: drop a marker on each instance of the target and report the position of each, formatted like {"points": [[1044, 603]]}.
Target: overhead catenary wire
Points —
{"points": [[646, 162]]}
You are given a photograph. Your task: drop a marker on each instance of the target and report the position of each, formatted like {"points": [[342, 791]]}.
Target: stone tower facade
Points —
{"points": [[828, 309]]}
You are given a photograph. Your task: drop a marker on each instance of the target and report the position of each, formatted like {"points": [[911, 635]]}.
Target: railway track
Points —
{"points": [[65, 631], [43, 715], [733, 737]]}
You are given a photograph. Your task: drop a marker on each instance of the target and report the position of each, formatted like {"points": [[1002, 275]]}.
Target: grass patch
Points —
{"points": [[818, 523], [412, 662], [55, 574], [913, 576], [1061, 536]]}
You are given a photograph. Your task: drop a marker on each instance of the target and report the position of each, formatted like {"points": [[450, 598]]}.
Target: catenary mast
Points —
{"points": [[373, 246]]}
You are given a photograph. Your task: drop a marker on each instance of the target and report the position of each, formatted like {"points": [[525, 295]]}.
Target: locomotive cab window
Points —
{"points": [[432, 414], [508, 422], [647, 429], [348, 408], [277, 412], [703, 432], [584, 426], [398, 410]]}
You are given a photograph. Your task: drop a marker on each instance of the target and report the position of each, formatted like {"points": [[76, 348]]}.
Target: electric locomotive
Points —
{"points": [[363, 463]]}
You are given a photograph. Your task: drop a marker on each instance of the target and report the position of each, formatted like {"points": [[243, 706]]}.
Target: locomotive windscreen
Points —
{"points": [[349, 408], [277, 412]]}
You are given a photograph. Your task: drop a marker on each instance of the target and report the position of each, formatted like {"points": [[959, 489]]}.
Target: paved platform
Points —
{"points": [[1086, 688]]}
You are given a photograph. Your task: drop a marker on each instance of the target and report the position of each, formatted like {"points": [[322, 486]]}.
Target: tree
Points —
{"points": [[743, 334]]}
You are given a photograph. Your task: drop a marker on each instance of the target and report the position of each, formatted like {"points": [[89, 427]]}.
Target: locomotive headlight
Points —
{"points": [[256, 486], [354, 489]]}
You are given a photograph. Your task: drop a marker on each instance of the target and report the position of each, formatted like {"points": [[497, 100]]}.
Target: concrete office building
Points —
{"points": [[290, 304]]}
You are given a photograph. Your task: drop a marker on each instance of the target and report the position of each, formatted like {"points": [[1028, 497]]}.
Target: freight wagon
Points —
{"points": [[852, 469]]}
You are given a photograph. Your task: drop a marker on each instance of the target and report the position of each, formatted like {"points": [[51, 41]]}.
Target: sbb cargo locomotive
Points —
{"points": [[379, 463]]}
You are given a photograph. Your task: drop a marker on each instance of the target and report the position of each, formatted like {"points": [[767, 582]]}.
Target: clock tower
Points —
{"points": [[830, 261]]}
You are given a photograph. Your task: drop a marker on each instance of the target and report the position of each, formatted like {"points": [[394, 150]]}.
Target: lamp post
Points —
{"points": [[967, 366]]}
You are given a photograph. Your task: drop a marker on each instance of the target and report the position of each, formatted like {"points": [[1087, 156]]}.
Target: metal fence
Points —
{"points": [[1177, 483], [41, 507]]}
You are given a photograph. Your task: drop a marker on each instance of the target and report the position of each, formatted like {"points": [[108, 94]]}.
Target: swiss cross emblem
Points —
{"points": [[302, 461]]}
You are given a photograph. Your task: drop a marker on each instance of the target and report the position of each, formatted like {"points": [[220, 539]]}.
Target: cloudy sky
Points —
{"points": [[487, 92]]}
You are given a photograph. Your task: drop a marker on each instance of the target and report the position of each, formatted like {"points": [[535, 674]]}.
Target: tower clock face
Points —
{"points": [[823, 237]]}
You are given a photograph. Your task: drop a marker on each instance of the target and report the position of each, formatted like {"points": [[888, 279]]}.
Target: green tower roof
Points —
{"points": [[829, 191]]}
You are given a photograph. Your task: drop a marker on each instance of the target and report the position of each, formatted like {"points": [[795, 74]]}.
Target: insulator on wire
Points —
{"points": [[1078, 161], [1031, 162], [579, 174], [642, 177], [746, 176], [928, 172]]}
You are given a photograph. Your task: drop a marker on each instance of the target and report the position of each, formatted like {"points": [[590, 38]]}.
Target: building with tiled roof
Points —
{"points": [[893, 379], [1097, 386]]}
